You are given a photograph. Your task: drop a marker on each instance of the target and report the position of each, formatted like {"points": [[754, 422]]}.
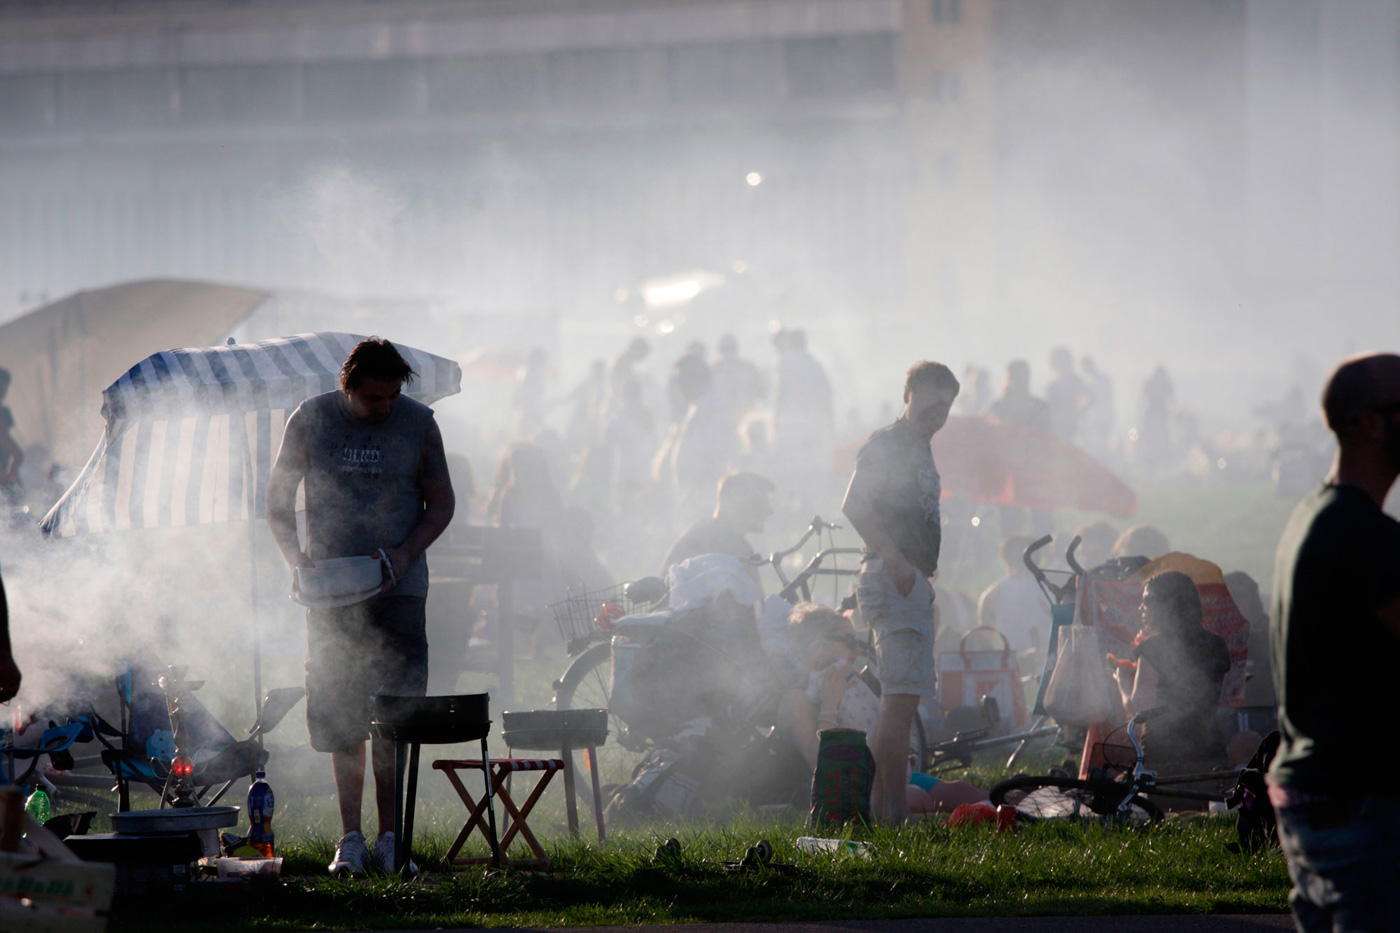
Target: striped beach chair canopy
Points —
{"points": [[190, 434]]}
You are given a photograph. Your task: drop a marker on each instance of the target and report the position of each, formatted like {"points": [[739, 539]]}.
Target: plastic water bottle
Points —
{"points": [[39, 805], [815, 845], [260, 804]]}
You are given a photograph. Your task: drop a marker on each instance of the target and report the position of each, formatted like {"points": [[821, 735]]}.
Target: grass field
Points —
{"points": [[918, 871]]}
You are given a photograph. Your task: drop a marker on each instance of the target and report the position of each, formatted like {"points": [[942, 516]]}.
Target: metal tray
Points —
{"points": [[187, 819]]}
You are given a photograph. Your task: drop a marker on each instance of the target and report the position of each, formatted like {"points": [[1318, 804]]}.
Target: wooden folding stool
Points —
{"points": [[500, 769]]}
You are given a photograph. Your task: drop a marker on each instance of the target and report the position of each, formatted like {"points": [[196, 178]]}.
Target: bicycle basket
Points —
{"points": [[1114, 759], [584, 615]]}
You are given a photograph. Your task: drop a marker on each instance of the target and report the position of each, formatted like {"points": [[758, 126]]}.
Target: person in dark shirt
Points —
{"points": [[1335, 636], [10, 676], [892, 503], [1180, 670], [742, 507], [11, 454]]}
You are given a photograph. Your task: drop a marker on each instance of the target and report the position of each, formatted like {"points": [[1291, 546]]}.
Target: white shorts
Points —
{"points": [[903, 628]]}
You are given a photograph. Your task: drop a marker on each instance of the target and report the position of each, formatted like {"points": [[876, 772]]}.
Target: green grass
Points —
{"points": [[918, 871]]}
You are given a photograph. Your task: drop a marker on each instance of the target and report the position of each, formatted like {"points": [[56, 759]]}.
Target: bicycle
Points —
{"points": [[602, 626], [1120, 798]]}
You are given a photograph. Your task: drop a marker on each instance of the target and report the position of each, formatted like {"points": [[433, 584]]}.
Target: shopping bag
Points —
{"points": [[1078, 691], [842, 780], [965, 676]]}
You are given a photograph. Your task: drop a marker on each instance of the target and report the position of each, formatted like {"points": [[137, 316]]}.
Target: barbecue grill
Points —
{"points": [[410, 722]]}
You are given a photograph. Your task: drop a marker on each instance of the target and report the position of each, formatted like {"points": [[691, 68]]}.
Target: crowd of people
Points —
{"points": [[378, 478]]}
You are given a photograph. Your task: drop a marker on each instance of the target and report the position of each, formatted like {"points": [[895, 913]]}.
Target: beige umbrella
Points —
{"points": [[61, 355]]}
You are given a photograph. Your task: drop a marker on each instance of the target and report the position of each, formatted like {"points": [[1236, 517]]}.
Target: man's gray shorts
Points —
{"points": [[903, 627], [377, 646]]}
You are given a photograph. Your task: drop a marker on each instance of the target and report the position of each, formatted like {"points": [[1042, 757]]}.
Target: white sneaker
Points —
{"points": [[350, 855], [383, 856]]}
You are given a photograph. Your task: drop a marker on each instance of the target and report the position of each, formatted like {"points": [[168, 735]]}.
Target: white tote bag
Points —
{"points": [[1078, 691]]}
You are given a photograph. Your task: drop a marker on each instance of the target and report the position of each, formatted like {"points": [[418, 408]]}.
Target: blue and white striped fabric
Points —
{"points": [[191, 433]]}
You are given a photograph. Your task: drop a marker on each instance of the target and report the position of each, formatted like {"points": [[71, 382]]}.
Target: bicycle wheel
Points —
{"points": [[1043, 797], [587, 684]]}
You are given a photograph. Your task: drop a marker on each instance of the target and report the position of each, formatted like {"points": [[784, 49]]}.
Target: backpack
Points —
{"points": [[1255, 822]]}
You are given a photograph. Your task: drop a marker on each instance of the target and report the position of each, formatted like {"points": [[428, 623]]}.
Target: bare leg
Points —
{"points": [[349, 768], [798, 718], [382, 760], [947, 795], [891, 751]]}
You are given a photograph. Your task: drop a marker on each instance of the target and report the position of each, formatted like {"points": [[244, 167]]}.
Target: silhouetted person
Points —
{"points": [[743, 504], [1066, 395], [10, 675], [976, 392], [1096, 541], [1016, 404], [1141, 540], [707, 443], [1015, 605], [804, 420], [632, 434], [738, 380], [530, 392], [893, 504], [1336, 646], [1100, 417], [1155, 438], [376, 481], [624, 372], [1259, 686], [675, 395], [525, 496], [11, 454]]}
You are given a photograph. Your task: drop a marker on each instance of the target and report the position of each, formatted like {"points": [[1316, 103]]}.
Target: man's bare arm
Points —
{"points": [[860, 512], [439, 504], [293, 462]]}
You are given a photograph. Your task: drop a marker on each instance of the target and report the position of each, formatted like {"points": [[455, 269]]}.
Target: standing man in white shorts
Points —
{"points": [[892, 503]]}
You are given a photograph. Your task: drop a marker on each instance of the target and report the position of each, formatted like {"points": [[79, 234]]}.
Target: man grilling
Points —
{"points": [[376, 483]]}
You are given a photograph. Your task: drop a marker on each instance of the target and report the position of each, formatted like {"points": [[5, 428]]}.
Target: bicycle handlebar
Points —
{"points": [[1069, 556], [1030, 552], [817, 526]]}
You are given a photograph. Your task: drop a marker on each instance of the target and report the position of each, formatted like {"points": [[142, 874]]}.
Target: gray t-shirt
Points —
{"points": [[895, 472], [362, 488]]}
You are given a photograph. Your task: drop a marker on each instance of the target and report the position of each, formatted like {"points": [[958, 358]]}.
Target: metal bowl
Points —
{"points": [[339, 581], [439, 720]]}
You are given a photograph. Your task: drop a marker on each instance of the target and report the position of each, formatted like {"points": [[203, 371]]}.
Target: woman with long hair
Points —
{"points": [[1180, 670]]}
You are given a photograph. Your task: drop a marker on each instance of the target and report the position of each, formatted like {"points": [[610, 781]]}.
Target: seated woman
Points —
{"points": [[837, 698], [1180, 669]]}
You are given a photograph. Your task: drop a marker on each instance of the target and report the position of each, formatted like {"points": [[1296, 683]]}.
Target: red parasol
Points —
{"points": [[1011, 464]]}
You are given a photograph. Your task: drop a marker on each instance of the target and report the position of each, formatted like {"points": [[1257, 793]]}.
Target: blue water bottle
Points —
{"points": [[260, 804]]}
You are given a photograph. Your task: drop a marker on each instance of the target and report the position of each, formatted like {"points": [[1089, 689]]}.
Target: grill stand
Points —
{"points": [[404, 805]]}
